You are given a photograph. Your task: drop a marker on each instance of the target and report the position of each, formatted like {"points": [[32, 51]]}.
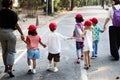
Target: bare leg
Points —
{"points": [[55, 64], [89, 58], [86, 59], [34, 63], [29, 65], [29, 62], [50, 62]]}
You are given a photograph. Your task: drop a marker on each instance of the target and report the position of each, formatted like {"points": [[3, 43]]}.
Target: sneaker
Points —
{"points": [[78, 61], [34, 71], [82, 58], [96, 56], [49, 68], [93, 57], [55, 69], [29, 71]]}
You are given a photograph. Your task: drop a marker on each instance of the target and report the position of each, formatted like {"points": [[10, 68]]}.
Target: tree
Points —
{"points": [[0, 4], [30, 5]]}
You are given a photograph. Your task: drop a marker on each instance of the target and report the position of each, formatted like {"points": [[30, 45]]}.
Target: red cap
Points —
{"points": [[78, 15], [32, 27], [53, 25], [94, 20], [87, 23]]}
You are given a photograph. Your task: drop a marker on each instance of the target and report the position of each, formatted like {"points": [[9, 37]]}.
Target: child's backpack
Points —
{"points": [[116, 17]]}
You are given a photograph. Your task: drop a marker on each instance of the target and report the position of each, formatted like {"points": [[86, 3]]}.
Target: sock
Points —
{"points": [[30, 67]]}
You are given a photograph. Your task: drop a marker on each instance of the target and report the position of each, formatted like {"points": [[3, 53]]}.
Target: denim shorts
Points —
{"points": [[33, 54], [79, 45]]}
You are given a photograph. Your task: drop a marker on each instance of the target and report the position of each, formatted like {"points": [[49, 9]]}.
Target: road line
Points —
{"points": [[20, 56], [83, 71]]}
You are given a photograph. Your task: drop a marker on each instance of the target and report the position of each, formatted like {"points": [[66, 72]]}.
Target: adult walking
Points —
{"points": [[8, 23], [114, 29]]}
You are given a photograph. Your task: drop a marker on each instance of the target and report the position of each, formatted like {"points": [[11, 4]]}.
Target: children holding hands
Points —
{"points": [[84, 37], [54, 46]]}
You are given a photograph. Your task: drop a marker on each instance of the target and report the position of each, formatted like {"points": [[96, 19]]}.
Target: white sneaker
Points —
{"points": [[49, 68], [55, 69], [34, 71]]}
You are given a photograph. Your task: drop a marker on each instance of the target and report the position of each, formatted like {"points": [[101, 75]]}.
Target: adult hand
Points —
{"points": [[104, 28], [22, 37]]}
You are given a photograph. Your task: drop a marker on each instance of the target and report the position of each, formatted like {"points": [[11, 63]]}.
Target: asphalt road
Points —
{"points": [[102, 68]]}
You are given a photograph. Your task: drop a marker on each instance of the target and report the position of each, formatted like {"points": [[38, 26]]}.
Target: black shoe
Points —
{"points": [[11, 74], [29, 71], [115, 59], [9, 71], [6, 69], [86, 67]]}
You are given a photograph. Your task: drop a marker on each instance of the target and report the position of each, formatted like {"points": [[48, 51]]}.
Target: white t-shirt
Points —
{"points": [[54, 42], [110, 12]]}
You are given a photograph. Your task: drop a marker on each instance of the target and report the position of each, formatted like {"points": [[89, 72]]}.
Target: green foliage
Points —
{"points": [[56, 5], [29, 3]]}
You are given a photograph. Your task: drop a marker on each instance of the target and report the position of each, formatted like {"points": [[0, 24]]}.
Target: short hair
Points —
{"points": [[52, 29], [33, 33], [116, 2], [6, 3], [79, 20]]}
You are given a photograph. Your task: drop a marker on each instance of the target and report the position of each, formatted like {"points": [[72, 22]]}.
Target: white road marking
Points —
{"points": [[20, 56], [83, 71]]}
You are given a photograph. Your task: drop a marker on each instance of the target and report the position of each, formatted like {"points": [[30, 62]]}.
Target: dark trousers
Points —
{"points": [[114, 36]]}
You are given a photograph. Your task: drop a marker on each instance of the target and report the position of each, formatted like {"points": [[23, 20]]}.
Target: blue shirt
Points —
{"points": [[97, 30]]}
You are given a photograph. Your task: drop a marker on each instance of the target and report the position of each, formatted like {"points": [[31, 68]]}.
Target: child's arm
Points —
{"points": [[26, 41], [69, 38], [101, 31], [84, 33], [43, 44]]}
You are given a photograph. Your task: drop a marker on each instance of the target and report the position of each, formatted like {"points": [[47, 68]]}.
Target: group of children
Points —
{"points": [[86, 36]]}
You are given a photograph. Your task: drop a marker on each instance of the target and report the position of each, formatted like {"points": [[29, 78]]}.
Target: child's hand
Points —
{"points": [[102, 31], [44, 45], [70, 38]]}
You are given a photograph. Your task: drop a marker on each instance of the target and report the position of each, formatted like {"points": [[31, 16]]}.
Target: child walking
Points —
{"points": [[77, 35], [88, 39], [97, 30], [54, 46], [33, 52]]}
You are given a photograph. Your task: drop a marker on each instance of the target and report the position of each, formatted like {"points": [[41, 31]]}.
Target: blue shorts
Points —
{"points": [[33, 54]]}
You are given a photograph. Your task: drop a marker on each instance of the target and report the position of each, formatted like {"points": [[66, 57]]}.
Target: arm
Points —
{"points": [[84, 33], [106, 21], [20, 31], [43, 44]]}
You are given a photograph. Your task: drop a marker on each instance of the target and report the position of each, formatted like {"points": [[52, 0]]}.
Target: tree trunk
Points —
{"points": [[0, 4], [102, 3], [72, 4]]}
